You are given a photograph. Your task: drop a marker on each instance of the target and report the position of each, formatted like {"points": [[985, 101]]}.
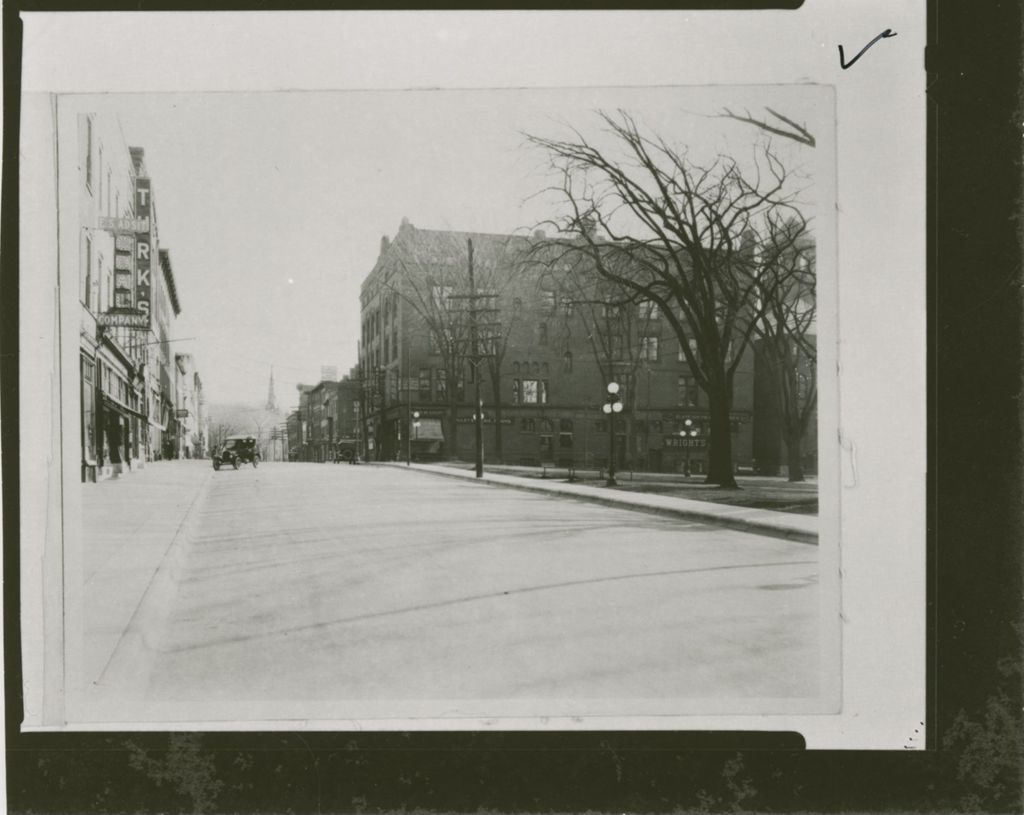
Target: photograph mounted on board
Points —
{"points": [[575, 348]]}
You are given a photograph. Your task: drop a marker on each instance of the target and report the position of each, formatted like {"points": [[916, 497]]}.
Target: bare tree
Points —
{"points": [[786, 329], [675, 237], [776, 124], [619, 332], [427, 272]]}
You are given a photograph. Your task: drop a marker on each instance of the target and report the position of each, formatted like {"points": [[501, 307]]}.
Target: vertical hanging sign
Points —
{"points": [[143, 249]]}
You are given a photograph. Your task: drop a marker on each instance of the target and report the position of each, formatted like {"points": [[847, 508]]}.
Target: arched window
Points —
{"points": [[546, 426], [536, 369], [515, 367], [544, 371], [567, 362], [515, 391]]}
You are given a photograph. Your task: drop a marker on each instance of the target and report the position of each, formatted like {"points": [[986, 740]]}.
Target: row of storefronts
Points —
{"points": [[139, 401]]}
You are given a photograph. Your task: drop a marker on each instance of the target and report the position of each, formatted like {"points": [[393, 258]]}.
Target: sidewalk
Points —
{"points": [[803, 528], [133, 532]]}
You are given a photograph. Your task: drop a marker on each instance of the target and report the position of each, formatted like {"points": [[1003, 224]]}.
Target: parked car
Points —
{"points": [[235, 451]]}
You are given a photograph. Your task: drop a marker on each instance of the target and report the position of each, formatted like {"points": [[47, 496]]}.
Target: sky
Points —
{"points": [[273, 204]]}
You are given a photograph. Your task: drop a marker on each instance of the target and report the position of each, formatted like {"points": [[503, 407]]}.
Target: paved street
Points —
{"points": [[312, 581]]}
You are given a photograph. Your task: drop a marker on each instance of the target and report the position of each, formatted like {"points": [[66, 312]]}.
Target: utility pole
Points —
{"points": [[408, 398], [478, 417]]}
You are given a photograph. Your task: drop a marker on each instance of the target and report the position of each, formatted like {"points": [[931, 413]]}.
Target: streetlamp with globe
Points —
{"points": [[688, 433], [612, 406]]}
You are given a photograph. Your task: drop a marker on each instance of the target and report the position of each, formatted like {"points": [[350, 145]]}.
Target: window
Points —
{"points": [[529, 391], [617, 347], [88, 411], [440, 384], [122, 299], [565, 425], [547, 426], [567, 306], [516, 392], [567, 362], [515, 367], [548, 300], [687, 391], [649, 349], [565, 441], [440, 295], [109, 185], [86, 267], [108, 282], [693, 351], [610, 310], [649, 310], [542, 334], [88, 152], [528, 425], [424, 384]]}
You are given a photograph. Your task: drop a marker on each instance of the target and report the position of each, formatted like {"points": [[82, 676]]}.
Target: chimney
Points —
{"points": [[384, 244], [539, 234]]}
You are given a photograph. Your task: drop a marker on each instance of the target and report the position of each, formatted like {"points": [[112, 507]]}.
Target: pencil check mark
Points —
{"points": [[842, 57]]}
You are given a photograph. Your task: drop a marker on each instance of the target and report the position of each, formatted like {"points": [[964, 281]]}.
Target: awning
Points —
{"points": [[429, 430]]}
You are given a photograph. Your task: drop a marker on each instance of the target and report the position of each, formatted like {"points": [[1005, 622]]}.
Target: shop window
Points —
{"points": [[88, 411]]}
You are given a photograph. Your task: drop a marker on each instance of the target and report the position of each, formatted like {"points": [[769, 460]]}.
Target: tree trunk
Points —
{"points": [[720, 469], [794, 454]]}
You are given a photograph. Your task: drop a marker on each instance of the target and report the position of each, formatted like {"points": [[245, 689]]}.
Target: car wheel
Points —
{"points": [[216, 464], [235, 463], [255, 463]]}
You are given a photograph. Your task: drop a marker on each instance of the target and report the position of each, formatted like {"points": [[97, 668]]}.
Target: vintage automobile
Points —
{"points": [[235, 451]]}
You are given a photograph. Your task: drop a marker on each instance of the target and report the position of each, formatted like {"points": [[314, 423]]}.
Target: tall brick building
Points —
{"points": [[550, 342]]}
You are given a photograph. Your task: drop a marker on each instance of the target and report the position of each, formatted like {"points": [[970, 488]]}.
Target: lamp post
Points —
{"points": [[688, 433], [612, 406], [414, 431]]}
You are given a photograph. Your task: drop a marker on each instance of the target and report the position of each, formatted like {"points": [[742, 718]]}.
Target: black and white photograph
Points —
{"points": [[438, 408], [446, 398]]}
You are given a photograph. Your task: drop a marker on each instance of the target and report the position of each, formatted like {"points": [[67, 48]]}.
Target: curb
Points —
{"points": [[143, 631], [719, 515]]}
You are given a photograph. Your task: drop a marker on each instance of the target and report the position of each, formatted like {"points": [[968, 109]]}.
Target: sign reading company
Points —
{"points": [[143, 248]]}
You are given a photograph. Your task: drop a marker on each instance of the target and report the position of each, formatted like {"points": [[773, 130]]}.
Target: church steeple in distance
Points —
{"points": [[271, 399]]}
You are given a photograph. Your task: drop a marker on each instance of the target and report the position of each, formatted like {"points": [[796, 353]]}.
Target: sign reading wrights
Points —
{"points": [[143, 248]]}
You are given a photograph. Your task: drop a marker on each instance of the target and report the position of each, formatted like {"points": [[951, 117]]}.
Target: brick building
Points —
{"points": [[551, 342]]}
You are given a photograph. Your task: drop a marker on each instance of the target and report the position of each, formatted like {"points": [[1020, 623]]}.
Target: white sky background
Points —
{"points": [[273, 204]]}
